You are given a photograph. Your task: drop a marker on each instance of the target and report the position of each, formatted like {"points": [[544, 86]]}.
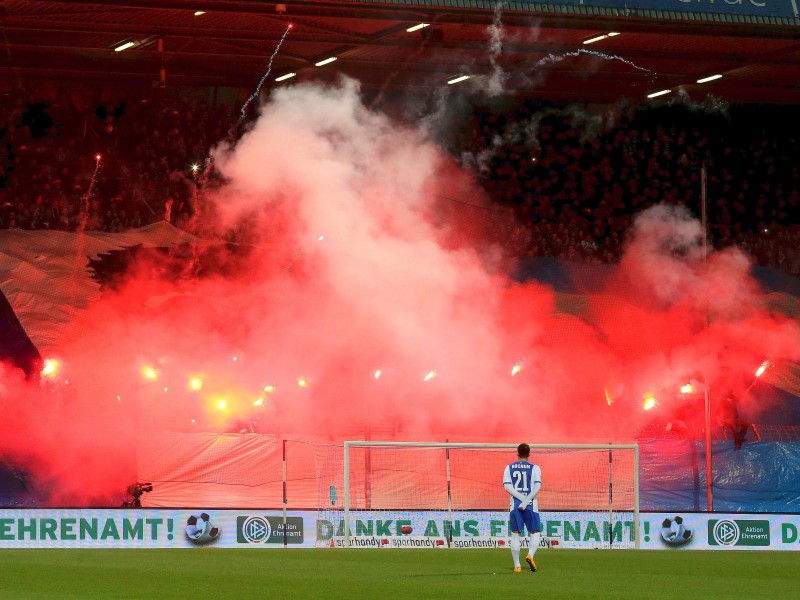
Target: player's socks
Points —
{"points": [[516, 543], [535, 538]]}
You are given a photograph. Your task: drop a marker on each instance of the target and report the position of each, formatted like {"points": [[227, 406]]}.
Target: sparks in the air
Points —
{"points": [[50, 367], [93, 180], [149, 372], [764, 366], [429, 376], [687, 388], [243, 112], [649, 402], [516, 368]]}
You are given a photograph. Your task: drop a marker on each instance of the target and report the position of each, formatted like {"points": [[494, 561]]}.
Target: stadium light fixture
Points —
{"points": [[597, 38], [458, 79], [709, 78], [124, 46], [659, 93], [325, 62], [417, 27], [285, 77], [197, 13]]}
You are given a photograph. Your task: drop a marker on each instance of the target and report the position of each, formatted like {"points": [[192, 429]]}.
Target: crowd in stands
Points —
{"points": [[49, 155], [573, 185], [580, 189]]}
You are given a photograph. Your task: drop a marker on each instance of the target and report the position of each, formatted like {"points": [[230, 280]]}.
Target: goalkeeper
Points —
{"points": [[523, 480]]}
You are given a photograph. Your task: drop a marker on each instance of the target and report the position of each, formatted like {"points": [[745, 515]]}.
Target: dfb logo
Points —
{"points": [[256, 530], [726, 533]]}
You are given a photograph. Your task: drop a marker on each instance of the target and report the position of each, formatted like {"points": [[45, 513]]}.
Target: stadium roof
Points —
{"points": [[231, 42]]}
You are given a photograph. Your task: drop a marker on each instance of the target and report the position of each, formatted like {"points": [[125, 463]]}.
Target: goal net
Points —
{"points": [[415, 494]]}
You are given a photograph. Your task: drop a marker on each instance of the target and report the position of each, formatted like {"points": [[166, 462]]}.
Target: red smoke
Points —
{"points": [[366, 249]]}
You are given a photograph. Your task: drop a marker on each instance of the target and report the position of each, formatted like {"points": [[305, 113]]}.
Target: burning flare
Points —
{"points": [[149, 372], [764, 366], [50, 367]]}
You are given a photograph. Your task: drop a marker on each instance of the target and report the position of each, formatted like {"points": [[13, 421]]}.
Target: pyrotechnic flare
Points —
{"points": [[196, 384], [516, 369], [429, 376], [608, 396], [149, 372], [259, 402], [302, 382], [687, 389], [377, 374], [759, 372], [269, 389], [50, 367], [222, 404], [649, 402], [764, 366]]}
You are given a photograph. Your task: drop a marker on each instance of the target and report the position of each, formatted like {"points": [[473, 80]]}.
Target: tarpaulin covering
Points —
{"points": [[761, 477]]}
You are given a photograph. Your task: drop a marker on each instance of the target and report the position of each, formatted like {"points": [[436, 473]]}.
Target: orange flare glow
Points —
{"points": [[649, 402], [429, 376], [687, 389], [150, 373], [516, 369]]}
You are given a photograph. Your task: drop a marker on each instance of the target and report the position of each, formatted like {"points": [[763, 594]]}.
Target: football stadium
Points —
{"points": [[402, 299]]}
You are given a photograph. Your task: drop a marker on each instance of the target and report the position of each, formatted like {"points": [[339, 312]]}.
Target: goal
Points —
{"points": [[421, 494]]}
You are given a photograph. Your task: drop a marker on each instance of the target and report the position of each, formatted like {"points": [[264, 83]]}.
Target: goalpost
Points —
{"points": [[589, 497]]}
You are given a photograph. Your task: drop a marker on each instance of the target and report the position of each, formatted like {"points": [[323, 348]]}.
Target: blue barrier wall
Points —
{"points": [[761, 477]]}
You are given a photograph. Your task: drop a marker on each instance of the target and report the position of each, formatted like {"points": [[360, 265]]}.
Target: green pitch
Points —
{"points": [[383, 574]]}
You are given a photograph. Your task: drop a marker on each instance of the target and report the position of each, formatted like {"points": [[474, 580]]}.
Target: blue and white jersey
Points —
{"points": [[522, 475]]}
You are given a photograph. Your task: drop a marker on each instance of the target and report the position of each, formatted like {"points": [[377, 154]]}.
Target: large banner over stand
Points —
{"points": [[196, 528]]}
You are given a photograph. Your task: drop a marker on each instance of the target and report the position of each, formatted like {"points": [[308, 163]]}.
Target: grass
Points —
{"points": [[385, 574]]}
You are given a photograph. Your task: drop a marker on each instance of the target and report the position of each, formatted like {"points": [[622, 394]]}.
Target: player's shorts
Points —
{"points": [[527, 519]]}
